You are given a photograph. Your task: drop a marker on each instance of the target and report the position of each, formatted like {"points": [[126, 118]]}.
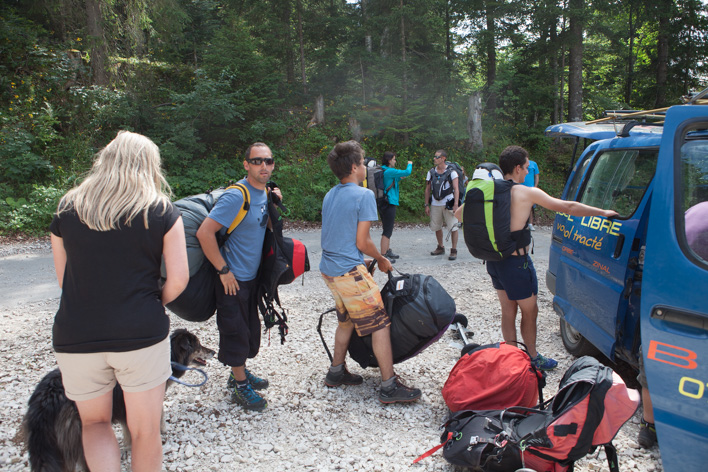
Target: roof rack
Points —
{"points": [[657, 114]]}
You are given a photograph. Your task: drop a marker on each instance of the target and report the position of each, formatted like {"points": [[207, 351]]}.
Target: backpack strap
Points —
{"points": [[434, 449], [319, 330], [611, 453], [244, 208]]}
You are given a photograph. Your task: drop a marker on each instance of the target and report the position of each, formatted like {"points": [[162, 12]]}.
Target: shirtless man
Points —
{"points": [[514, 277]]}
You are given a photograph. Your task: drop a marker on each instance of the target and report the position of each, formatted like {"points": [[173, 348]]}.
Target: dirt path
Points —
{"points": [[306, 427]]}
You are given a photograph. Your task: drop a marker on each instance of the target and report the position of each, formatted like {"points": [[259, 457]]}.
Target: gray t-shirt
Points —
{"points": [[343, 208]]}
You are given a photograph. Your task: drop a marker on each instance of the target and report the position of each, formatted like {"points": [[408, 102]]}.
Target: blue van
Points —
{"points": [[641, 280]]}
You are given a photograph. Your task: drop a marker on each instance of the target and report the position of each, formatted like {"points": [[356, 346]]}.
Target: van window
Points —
{"points": [[578, 176], [619, 179], [694, 193]]}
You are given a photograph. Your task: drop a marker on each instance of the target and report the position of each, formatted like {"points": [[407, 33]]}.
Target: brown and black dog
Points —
{"points": [[52, 427]]}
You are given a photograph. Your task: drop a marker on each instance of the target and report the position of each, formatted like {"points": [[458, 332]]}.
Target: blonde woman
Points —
{"points": [[108, 237]]}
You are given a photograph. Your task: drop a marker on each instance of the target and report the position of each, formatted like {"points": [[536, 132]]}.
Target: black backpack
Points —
{"points": [[283, 260], [421, 310], [490, 239], [437, 182], [375, 183]]}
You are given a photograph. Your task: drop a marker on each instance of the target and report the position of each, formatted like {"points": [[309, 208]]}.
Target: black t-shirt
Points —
{"points": [[110, 299]]}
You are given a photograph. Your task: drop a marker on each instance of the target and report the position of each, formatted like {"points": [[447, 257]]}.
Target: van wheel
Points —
{"points": [[574, 342]]}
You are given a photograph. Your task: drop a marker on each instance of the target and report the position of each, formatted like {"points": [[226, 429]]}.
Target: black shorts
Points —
{"points": [[516, 275], [238, 323], [388, 216]]}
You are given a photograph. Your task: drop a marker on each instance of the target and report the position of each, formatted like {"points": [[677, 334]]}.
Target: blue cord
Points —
{"points": [[178, 366]]}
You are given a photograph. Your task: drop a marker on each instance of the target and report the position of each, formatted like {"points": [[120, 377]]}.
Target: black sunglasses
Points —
{"points": [[256, 161]]}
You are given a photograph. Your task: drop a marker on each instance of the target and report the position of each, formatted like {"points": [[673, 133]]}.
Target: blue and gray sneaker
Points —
{"points": [[544, 363], [256, 382], [248, 398]]}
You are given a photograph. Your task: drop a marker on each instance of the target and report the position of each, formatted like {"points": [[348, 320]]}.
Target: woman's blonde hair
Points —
{"points": [[124, 181]]}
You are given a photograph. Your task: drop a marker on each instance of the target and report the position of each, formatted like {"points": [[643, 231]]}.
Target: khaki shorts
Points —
{"points": [[88, 376], [438, 214], [358, 301]]}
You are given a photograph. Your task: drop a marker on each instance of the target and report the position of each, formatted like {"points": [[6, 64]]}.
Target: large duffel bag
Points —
{"points": [[421, 310], [493, 377]]}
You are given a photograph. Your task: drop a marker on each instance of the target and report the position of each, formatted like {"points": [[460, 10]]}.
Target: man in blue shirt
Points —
{"points": [[347, 213], [531, 180], [237, 264]]}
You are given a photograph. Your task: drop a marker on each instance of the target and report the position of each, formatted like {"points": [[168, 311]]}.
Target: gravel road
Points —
{"points": [[307, 427]]}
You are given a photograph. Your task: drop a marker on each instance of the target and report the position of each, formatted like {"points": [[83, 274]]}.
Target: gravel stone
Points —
{"points": [[307, 426]]}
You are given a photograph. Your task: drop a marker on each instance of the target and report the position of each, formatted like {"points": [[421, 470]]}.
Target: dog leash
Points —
{"points": [[178, 366]]}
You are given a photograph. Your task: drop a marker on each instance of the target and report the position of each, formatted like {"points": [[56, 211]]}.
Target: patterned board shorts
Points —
{"points": [[358, 301]]}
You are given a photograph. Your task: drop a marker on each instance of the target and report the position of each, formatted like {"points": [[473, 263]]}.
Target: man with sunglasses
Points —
{"points": [[442, 186], [237, 264]]}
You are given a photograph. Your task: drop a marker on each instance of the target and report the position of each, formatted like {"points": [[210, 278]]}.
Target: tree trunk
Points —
{"points": [[630, 60], [365, 22], [355, 129], [662, 52], [98, 52], [285, 15], [474, 123], [555, 114], [575, 75], [448, 41], [406, 135], [319, 117], [491, 59], [302, 46]]}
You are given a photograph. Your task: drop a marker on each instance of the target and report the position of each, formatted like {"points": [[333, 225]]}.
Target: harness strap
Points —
{"points": [[433, 450], [319, 330], [184, 368]]}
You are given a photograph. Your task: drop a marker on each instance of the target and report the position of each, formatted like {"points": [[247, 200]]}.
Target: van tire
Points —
{"points": [[574, 342]]}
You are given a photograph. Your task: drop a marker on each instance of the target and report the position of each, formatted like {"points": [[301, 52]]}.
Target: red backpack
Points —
{"points": [[493, 377]]}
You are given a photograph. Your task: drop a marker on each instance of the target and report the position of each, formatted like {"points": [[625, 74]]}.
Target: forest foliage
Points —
{"points": [[206, 78]]}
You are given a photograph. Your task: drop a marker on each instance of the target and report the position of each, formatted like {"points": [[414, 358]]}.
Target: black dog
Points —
{"points": [[52, 426]]}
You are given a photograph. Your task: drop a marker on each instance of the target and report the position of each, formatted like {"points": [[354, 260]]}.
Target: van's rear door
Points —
{"points": [[674, 300], [593, 258]]}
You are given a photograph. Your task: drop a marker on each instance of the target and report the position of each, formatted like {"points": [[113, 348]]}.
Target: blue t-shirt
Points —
{"points": [[343, 208], [243, 249], [530, 180]]}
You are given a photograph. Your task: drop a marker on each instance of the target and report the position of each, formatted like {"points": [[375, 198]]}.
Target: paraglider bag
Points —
{"points": [[420, 310], [197, 302]]}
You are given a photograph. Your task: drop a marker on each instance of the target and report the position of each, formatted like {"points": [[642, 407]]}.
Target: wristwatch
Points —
{"points": [[224, 270]]}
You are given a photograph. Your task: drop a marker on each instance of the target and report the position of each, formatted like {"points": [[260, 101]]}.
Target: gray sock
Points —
{"points": [[335, 369], [386, 384]]}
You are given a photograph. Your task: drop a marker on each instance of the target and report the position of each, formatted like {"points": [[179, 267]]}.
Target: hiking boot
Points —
{"points": [[399, 393], [343, 377], [390, 255], [453, 254], [647, 435], [438, 251], [256, 382], [544, 363], [248, 398]]}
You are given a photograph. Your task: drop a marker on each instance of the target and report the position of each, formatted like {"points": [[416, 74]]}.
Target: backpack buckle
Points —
{"points": [[474, 440]]}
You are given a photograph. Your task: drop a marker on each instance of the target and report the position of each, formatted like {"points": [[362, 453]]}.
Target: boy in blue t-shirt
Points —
{"points": [[347, 212]]}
